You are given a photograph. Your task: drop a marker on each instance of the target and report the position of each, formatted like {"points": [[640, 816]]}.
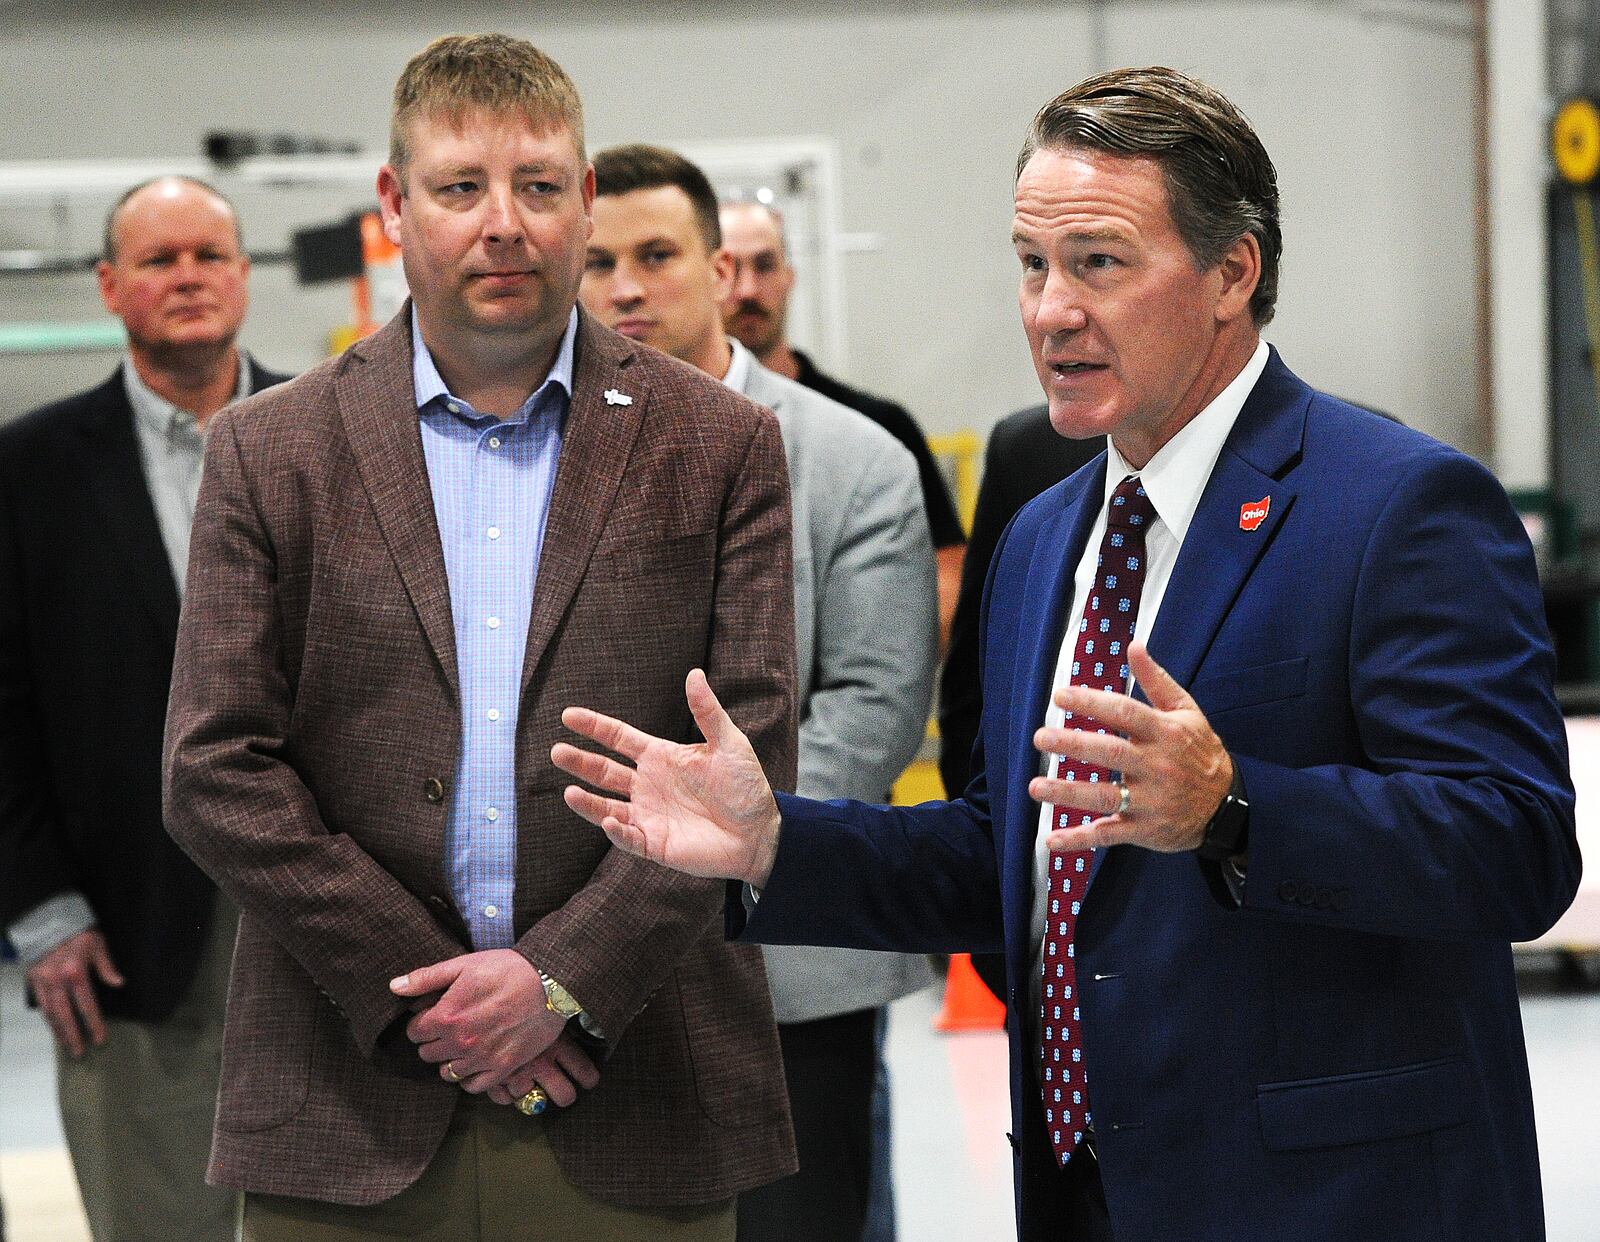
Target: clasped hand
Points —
{"points": [[482, 1019]]}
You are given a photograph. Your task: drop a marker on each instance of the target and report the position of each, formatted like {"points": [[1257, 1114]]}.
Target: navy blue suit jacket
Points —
{"points": [[1340, 1057], [88, 619]]}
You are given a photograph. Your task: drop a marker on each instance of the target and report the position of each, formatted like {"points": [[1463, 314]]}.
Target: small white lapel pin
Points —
{"points": [[613, 397]]}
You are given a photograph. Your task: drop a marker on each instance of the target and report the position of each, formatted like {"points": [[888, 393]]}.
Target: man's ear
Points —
{"points": [[390, 195], [1241, 273], [722, 271], [105, 275]]}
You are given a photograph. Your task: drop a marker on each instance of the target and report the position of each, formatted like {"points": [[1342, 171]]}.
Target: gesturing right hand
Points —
{"points": [[63, 984], [706, 809]]}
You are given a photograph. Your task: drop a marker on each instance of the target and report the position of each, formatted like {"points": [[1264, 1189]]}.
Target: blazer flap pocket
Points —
{"points": [[1363, 1108], [1247, 687], [634, 557]]}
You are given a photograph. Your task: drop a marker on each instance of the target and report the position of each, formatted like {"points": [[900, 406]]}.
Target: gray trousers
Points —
{"points": [[138, 1111]]}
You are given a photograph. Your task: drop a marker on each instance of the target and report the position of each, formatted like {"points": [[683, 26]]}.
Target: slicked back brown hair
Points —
{"points": [[1220, 181], [637, 166], [496, 73]]}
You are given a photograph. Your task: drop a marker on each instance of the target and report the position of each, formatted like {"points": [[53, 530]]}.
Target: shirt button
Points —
{"points": [[494, 441], [492, 814], [490, 911], [494, 623], [452, 407], [494, 713], [494, 532]]}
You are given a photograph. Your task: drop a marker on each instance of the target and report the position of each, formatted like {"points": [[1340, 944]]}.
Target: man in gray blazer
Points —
{"points": [[865, 625]]}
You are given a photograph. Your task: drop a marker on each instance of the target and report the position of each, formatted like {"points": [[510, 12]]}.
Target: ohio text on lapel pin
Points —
{"points": [[1254, 512], [613, 397]]}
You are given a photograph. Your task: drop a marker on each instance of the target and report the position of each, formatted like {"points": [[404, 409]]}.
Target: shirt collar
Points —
{"points": [[806, 370], [159, 414], [428, 384], [738, 376], [1177, 474]]}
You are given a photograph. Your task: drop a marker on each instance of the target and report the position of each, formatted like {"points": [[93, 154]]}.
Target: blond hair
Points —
{"points": [[456, 74]]}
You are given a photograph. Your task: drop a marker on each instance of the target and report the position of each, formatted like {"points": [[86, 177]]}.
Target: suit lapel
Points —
{"points": [[122, 496], [595, 447], [262, 379], [1047, 595], [1226, 539], [1224, 542], [378, 406]]}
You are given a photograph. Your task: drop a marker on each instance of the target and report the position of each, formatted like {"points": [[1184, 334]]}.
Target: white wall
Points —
{"points": [[1519, 117], [1368, 117]]}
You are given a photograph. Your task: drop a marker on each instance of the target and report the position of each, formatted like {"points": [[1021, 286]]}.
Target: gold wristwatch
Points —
{"points": [[558, 1000]]}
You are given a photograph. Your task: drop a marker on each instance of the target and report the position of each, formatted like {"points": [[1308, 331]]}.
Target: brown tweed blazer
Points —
{"points": [[314, 718]]}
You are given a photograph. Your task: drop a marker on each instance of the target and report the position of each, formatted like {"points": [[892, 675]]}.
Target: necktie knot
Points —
{"points": [[1130, 508]]}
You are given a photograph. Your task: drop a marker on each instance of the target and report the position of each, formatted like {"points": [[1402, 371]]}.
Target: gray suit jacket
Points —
{"points": [[866, 631]]}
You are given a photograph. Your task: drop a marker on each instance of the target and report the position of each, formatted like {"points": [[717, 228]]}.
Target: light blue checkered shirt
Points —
{"points": [[491, 482]]}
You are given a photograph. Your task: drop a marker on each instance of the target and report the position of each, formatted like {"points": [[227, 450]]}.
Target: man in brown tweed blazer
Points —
{"points": [[328, 733]]}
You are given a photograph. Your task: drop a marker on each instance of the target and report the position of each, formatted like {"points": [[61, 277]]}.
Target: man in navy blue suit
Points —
{"points": [[1270, 771]]}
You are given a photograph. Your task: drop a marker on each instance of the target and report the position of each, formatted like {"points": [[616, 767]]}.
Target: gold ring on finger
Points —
{"points": [[450, 1071], [534, 1103], [1125, 801]]}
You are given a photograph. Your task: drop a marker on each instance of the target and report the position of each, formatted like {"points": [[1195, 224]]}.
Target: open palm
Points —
{"points": [[705, 809]]}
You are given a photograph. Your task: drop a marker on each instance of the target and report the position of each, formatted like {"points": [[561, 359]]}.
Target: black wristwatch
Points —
{"points": [[1227, 835]]}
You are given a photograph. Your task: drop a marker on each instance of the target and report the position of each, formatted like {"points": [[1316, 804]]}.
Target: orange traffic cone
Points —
{"points": [[969, 1005]]}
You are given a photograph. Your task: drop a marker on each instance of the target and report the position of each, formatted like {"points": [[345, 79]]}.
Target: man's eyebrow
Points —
{"points": [[1104, 234]]}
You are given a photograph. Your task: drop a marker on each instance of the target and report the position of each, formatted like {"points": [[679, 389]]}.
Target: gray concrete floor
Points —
{"points": [[952, 1166]]}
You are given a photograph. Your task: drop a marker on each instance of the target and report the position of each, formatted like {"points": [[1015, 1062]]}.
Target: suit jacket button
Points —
{"points": [[433, 789], [1324, 899], [1307, 894], [1287, 890]]}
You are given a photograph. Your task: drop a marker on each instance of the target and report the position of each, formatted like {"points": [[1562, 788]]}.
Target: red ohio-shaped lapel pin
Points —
{"points": [[1254, 512]]}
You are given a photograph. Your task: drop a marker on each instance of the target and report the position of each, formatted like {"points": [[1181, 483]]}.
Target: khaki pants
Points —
{"points": [[493, 1179], [138, 1111]]}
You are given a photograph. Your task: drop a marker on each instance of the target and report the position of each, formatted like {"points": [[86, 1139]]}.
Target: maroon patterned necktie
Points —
{"points": [[1100, 660]]}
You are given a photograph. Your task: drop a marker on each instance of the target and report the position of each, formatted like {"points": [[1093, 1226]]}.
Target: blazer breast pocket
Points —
{"points": [[651, 557], [1251, 687]]}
